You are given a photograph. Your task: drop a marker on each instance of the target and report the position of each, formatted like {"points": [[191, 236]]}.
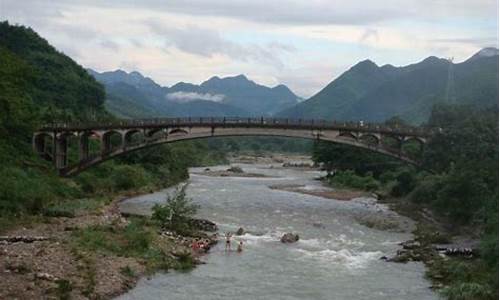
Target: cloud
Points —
{"points": [[209, 43], [183, 97], [369, 34], [301, 43], [109, 44], [477, 42], [306, 12]]}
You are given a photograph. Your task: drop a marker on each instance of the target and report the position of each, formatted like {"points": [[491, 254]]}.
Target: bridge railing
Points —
{"points": [[232, 121]]}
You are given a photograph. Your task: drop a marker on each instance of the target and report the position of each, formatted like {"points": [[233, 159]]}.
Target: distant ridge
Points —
{"points": [[132, 94], [372, 93]]}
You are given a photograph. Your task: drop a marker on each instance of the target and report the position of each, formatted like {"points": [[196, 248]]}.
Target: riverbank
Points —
{"points": [[97, 254], [448, 252], [435, 243], [337, 194]]}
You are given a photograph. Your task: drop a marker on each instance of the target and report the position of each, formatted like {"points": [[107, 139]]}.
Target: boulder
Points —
{"points": [[289, 238], [235, 169], [410, 245], [318, 225], [203, 225], [240, 231]]}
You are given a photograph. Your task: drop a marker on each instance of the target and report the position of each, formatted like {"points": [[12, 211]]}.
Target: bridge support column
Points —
{"points": [[39, 145], [400, 147], [61, 152], [105, 144], [83, 147]]}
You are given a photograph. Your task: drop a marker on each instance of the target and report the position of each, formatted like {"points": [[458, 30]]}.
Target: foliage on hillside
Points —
{"points": [[463, 191], [372, 93], [40, 84]]}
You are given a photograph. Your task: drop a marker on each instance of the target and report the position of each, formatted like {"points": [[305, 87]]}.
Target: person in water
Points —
{"points": [[228, 241], [195, 245], [240, 246]]}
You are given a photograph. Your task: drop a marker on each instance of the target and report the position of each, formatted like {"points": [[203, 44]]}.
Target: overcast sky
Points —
{"points": [[304, 44]]}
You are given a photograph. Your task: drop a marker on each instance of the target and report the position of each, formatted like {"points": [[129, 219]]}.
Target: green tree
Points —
{"points": [[177, 212]]}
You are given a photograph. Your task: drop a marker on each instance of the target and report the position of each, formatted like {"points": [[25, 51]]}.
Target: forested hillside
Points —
{"points": [[39, 84], [458, 184], [133, 95], [372, 93]]}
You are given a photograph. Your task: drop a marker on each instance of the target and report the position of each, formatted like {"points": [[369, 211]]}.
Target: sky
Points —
{"points": [[303, 44]]}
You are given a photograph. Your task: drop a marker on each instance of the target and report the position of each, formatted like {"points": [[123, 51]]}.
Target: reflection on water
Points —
{"points": [[335, 258]]}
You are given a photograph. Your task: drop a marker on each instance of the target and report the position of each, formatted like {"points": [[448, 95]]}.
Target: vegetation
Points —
{"points": [[462, 190], [40, 84], [176, 213], [138, 239], [375, 93]]}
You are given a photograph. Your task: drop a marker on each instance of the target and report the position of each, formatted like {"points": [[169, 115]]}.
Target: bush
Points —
{"points": [[134, 240], [427, 189], [468, 291], [350, 179], [405, 183], [126, 177], [176, 213]]}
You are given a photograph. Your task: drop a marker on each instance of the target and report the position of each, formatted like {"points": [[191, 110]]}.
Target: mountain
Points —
{"points": [[372, 93], [42, 82], [133, 95], [243, 93]]}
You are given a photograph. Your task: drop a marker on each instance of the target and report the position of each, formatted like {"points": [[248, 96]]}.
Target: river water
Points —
{"points": [[335, 258]]}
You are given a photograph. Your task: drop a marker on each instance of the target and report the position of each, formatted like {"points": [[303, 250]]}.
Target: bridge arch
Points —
{"points": [[111, 140], [133, 137], [116, 137], [114, 154]]}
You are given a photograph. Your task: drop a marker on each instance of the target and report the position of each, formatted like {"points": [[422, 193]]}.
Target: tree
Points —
{"points": [[176, 213]]}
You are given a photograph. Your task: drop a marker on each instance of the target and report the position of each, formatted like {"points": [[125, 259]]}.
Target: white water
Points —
{"points": [[336, 258]]}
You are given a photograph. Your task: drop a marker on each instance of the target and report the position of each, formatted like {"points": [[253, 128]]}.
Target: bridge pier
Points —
{"points": [[83, 147], [61, 152], [106, 143]]}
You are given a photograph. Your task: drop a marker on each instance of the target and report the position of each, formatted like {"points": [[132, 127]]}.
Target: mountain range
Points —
{"points": [[133, 95], [376, 93], [364, 92]]}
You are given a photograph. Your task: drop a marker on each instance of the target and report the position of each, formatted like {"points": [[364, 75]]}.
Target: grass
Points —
{"points": [[72, 207], [128, 272], [138, 239], [351, 180]]}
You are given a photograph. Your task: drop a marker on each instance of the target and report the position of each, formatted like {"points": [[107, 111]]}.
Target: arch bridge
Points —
{"points": [[100, 141]]}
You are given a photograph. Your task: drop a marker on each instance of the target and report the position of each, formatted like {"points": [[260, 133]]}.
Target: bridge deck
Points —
{"points": [[241, 122]]}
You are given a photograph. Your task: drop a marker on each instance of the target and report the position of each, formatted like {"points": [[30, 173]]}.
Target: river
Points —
{"points": [[335, 258]]}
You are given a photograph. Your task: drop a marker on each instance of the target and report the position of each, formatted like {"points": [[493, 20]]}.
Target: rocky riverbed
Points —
{"points": [[45, 259], [335, 244]]}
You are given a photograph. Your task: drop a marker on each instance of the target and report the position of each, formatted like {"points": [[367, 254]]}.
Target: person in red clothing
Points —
{"points": [[195, 245]]}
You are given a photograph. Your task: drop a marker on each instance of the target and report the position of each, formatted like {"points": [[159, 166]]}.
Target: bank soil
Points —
{"points": [[437, 244], [42, 260], [337, 194]]}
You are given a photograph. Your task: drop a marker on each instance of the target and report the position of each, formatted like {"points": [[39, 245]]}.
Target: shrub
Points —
{"points": [[127, 177], [350, 179], [176, 212], [468, 291], [427, 189], [405, 183]]}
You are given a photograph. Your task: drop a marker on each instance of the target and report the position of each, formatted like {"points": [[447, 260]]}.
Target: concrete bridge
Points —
{"points": [[111, 139]]}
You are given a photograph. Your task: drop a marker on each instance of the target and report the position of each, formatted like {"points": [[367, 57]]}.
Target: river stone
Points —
{"points": [[203, 225], [289, 238], [235, 169], [410, 245]]}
